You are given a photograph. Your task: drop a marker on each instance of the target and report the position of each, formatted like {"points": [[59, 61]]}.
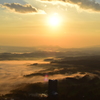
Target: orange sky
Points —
{"points": [[79, 27]]}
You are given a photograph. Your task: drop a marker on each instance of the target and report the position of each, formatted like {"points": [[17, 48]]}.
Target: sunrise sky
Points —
{"points": [[65, 23]]}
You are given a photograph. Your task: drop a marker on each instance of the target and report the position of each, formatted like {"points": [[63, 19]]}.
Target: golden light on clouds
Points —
{"points": [[68, 24]]}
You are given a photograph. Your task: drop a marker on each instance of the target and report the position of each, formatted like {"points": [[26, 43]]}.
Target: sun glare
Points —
{"points": [[54, 20]]}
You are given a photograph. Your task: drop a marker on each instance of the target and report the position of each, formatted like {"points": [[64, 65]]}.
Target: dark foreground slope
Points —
{"points": [[75, 88]]}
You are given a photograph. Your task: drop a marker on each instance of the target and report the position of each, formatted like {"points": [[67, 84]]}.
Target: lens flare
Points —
{"points": [[46, 78]]}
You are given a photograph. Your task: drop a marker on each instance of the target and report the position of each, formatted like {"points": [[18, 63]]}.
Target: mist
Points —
{"points": [[25, 69]]}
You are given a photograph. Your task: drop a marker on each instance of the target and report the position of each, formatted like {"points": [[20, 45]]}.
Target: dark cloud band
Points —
{"points": [[84, 4], [16, 7]]}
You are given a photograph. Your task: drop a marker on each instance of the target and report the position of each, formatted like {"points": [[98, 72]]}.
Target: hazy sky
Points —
{"points": [[66, 23]]}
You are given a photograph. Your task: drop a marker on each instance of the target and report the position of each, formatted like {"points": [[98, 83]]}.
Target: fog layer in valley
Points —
{"points": [[17, 69]]}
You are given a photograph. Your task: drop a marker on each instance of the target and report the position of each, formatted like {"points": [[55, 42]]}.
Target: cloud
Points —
{"points": [[19, 8], [12, 1], [84, 4]]}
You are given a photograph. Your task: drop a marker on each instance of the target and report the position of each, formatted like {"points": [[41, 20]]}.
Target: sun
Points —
{"points": [[54, 20]]}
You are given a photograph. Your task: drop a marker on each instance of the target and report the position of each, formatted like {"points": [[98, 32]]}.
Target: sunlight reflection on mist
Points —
{"points": [[11, 73]]}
